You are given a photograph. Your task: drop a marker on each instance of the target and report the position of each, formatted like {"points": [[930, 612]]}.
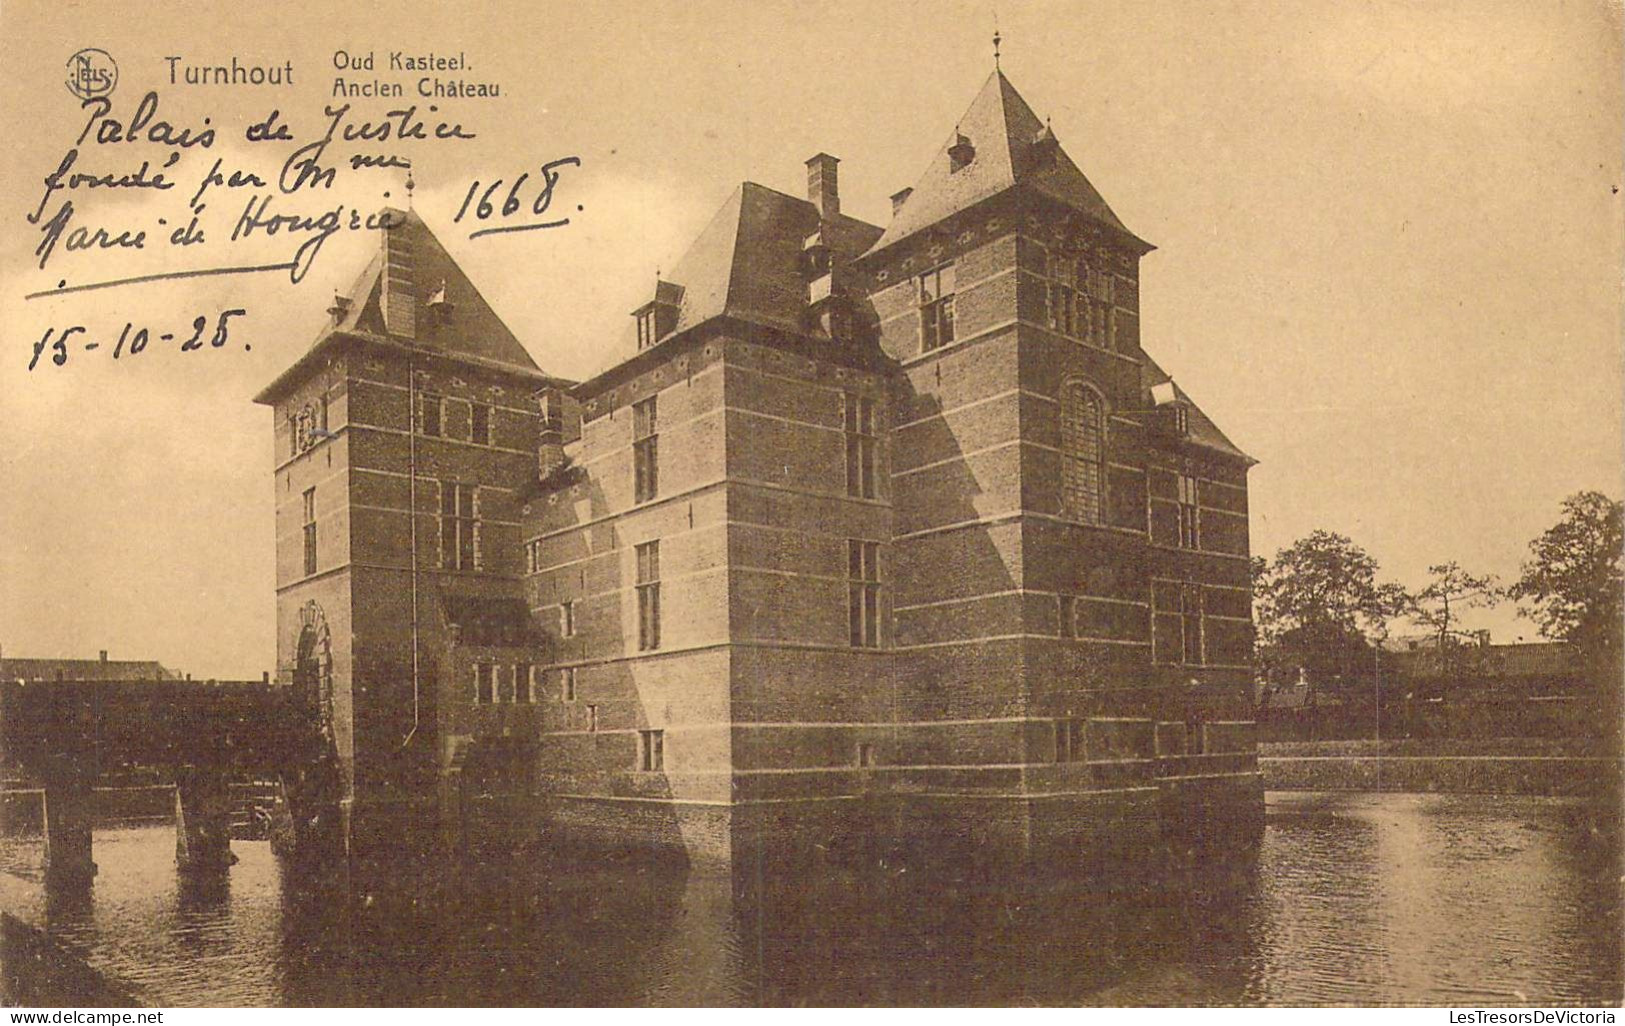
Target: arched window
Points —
{"points": [[1083, 453]]}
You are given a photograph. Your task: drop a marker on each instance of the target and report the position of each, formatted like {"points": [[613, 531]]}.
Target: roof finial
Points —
{"points": [[410, 185], [997, 39]]}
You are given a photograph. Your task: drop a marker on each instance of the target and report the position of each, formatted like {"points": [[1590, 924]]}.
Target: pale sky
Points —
{"points": [[1388, 264]]}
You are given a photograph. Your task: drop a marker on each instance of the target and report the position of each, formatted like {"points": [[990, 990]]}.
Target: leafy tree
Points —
{"points": [[1317, 602], [1572, 584], [1438, 605]]}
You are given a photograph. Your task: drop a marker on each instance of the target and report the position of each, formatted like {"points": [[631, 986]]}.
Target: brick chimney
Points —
{"points": [[104, 655], [550, 440], [823, 188], [400, 299]]}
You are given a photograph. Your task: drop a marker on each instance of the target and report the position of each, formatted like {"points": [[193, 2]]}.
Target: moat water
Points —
{"points": [[1464, 900]]}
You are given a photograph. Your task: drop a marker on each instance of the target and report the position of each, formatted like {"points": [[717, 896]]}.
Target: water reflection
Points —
{"points": [[1350, 899]]}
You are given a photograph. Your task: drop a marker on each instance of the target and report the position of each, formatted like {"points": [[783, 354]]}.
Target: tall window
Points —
{"points": [[1100, 325], [485, 684], [522, 689], [1061, 292], [1083, 453], [567, 684], [860, 446], [648, 585], [645, 451], [651, 750], [479, 423], [1190, 620], [310, 531], [567, 619], [863, 593], [430, 411], [937, 308], [1069, 741], [459, 526], [1069, 615], [1190, 514]]}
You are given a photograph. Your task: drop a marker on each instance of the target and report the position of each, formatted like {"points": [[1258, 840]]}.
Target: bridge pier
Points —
{"points": [[203, 821], [68, 814]]}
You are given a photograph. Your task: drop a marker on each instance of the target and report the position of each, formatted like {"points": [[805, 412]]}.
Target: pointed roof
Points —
{"points": [[1002, 129], [746, 263], [1203, 431], [409, 267]]}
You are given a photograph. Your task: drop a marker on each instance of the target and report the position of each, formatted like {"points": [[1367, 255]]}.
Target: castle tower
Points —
{"points": [[405, 437]]}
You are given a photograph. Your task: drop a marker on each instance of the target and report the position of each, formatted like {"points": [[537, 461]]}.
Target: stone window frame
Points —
{"points": [[862, 445], [1083, 473], [645, 450], [863, 593], [309, 530], [936, 306], [651, 750], [647, 556]]}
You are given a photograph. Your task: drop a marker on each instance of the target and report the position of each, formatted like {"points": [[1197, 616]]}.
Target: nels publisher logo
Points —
{"points": [[92, 73]]}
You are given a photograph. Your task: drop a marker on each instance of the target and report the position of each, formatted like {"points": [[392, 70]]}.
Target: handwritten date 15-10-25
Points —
{"points": [[132, 340]]}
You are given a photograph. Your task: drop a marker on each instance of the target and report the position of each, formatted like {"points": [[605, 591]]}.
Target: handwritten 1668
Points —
{"points": [[133, 340], [524, 198]]}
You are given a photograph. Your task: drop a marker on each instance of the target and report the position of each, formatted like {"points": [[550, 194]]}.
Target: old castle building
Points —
{"points": [[867, 529]]}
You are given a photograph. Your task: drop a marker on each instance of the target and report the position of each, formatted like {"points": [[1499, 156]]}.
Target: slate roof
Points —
{"points": [[746, 263], [1202, 429], [1002, 129], [474, 332]]}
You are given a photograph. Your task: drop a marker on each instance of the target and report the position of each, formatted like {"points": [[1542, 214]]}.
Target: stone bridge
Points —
{"points": [[67, 733]]}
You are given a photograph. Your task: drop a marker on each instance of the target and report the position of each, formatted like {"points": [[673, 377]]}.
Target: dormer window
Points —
{"points": [[646, 328], [960, 154]]}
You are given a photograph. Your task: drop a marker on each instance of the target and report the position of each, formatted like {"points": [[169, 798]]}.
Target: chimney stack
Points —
{"points": [[104, 655], [823, 189], [550, 443], [400, 301], [900, 197]]}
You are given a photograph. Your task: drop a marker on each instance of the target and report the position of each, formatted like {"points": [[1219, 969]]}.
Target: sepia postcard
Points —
{"points": [[883, 504]]}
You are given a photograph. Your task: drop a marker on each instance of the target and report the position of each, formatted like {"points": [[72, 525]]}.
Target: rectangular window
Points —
{"points": [[533, 556], [648, 585], [651, 750], [866, 754], [1190, 518], [523, 690], [567, 684], [567, 619], [310, 531], [459, 526], [860, 446], [592, 719], [937, 308], [1061, 293], [479, 423], [863, 593], [645, 451], [1069, 742], [430, 410], [1069, 616], [646, 329], [485, 684], [1190, 600]]}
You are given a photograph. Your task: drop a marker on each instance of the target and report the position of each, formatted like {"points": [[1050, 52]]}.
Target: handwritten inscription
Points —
{"points": [[280, 180], [133, 339]]}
